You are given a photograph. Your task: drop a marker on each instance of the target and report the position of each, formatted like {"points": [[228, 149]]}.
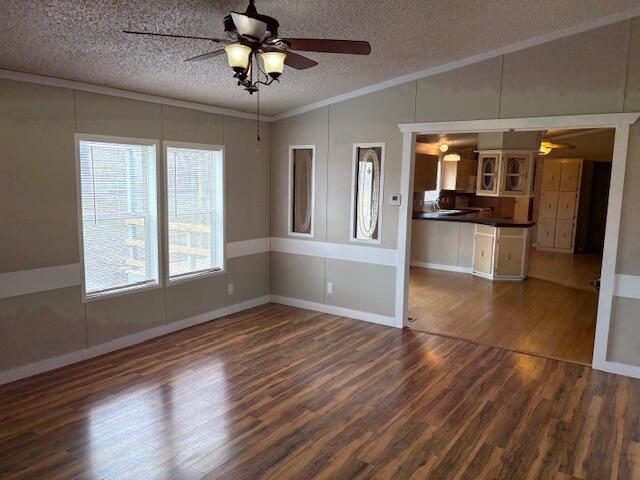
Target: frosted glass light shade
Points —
{"points": [[238, 56], [273, 63]]}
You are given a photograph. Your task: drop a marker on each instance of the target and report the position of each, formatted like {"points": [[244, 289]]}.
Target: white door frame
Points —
{"points": [[619, 121]]}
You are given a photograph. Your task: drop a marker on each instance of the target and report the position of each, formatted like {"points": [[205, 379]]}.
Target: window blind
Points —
{"points": [[194, 210], [119, 215]]}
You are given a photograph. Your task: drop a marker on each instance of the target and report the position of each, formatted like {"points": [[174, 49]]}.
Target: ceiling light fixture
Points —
{"points": [[444, 147], [546, 147], [252, 34], [453, 156]]}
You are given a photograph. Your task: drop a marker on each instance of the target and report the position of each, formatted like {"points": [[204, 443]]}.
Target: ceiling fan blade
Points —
{"points": [[133, 32], [245, 25], [350, 47], [298, 61], [205, 56]]}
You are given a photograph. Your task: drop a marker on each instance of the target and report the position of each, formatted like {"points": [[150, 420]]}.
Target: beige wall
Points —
{"points": [[592, 72], [586, 73], [39, 216]]}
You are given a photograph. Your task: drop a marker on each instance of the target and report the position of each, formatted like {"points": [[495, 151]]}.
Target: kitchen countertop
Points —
{"points": [[470, 216]]}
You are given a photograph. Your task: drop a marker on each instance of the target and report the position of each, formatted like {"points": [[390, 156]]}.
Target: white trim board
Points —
{"points": [[438, 266], [620, 122], [248, 247], [481, 57], [13, 284], [337, 251], [127, 341], [334, 310], [627, 286], [118, 92]]}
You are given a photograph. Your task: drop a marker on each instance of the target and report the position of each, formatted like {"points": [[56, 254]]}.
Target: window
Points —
{"points": [[118, 210], [301, 189], [367, 182], [195, 216]]}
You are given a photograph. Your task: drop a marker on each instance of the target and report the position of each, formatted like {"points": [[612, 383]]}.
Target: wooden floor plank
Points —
{"points": [[279, 392]]}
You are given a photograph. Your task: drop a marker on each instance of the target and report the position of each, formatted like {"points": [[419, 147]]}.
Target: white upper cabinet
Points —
{"points": [[505, 173], [488, 173]]}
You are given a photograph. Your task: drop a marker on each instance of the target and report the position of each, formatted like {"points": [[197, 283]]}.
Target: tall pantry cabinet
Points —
{"points": [[559, 200]]}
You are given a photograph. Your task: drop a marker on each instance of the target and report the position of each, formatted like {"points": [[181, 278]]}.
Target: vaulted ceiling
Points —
{"points": [[82, 40]]}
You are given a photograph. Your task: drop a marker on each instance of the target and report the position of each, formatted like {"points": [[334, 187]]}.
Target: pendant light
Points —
{"points": [[453, 156]]}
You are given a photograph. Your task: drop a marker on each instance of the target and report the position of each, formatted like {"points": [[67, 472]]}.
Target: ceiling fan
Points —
{"points": [[546, 145], [250, 34]]}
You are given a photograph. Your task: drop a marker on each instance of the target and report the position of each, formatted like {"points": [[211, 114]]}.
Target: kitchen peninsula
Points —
{"points": [[469, 241]]}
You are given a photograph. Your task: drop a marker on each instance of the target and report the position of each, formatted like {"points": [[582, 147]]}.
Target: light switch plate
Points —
{"points": [[395, 199]]}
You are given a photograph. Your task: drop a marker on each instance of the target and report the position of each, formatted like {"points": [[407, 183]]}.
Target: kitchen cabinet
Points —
{"points": [[506, 173], [559, 199], [501, 253], [425, 176], [459, 176], [548, 205], [546, 233], [488, 173]]}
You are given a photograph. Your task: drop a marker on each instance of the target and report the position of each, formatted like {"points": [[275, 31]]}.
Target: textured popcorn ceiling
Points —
{"points": [[81, 40]]}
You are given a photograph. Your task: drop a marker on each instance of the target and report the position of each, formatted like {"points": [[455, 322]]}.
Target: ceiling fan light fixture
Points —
{"points": [[238, 56], [452, 157], [545, 148], [273, 63]]}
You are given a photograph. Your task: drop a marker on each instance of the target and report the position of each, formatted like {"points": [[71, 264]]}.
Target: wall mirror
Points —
{"points": [[367, 183], [301, 189]]}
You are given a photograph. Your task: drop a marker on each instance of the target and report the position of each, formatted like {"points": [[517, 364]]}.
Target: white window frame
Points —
{"points": [[79, 137], [290, 222], [210, 271], [354, 180]]}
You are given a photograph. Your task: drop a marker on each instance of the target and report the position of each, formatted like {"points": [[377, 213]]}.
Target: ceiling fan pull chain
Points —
{"points": [[258, 115]]}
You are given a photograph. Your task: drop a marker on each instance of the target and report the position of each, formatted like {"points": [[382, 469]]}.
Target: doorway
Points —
{"points": [[619, 122]]}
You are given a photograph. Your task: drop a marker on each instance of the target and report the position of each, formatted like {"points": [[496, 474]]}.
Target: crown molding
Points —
{"points": [[531, 42], [117, 92], [447, 67]]}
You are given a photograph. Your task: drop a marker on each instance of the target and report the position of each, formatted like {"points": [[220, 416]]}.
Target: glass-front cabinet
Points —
{"points": [[507, 173], [488, 173]]}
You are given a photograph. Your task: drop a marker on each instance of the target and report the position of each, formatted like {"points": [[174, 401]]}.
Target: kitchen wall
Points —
{"points": [[591, 72], [39, 228]]}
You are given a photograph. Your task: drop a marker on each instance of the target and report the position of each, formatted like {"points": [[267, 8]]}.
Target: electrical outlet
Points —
{"points": [[230, 288], [329, 288]]}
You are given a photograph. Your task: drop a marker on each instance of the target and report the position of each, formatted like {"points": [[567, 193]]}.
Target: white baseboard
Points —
{"points": [[122, 342], [52, 363], [334, 310], [618, 368], [437, 266]]}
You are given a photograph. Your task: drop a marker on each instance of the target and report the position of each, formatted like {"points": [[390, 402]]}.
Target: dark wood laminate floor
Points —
{"points": [[533, 316], [279, 392]]}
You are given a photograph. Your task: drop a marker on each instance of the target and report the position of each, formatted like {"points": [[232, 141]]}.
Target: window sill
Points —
{"points": [[195, 275], [91, 297]]}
